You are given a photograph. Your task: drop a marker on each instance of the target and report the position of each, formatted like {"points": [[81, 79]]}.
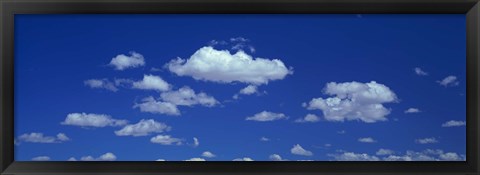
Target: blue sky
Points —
{"points": [[245, 87]]}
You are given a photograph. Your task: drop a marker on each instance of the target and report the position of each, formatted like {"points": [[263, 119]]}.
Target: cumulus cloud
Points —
{"points": [[196, 142], [354, 101], [101, 84], [41, 158], [264, 139], [72, 159], [221, 66], [160, 160], [250, 89], [312, 118], [367, 140], [92, 120], [426, 155], [420, 72], [208, 154], [382, 152], [166, 140], [186, 96], [36, 137], [426, 140], [196, 159], [454, 123], [299, 150], [276, 157], [151, 105], [412, 110], [122, 62], [266, 116], [351, 156], [105, 157], [143, 128], [449, 81], [243, 159], [152, 82]]}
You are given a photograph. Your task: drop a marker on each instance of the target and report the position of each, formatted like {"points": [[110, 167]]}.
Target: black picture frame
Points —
{"points": [[8, 9]]}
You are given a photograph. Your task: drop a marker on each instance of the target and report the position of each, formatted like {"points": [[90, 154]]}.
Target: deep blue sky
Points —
{"points": [[55, 54]]}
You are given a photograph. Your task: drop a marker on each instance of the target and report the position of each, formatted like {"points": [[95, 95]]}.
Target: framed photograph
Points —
{"points": [[239, 87]]}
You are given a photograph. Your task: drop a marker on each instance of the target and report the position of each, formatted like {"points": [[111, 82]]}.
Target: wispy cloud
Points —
{"points": [[420, 72], [36, 137], [454, 123], [299, 150], [266, 116], [426, 140], [143, 128], [412, 110], [367, 140], [41, 158], [101, 84], [309, 118], [449, 81]]}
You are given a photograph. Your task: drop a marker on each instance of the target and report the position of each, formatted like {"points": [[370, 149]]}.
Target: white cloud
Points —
{"points": [[122, 62], [250, 89], [426, 155], [101, 84], [105, 157], [186, 96], [166, 140], [208, 154], [308, 118], [196, 142], [276, 157], [72, 159], [243, 159], [351, 156], [420, 72], [367, 140], [143, 128], [151, 105], [382, 152], [160, 160], [264, 139], [92, 120], [152, 82], [36, 137], [412, 110], [298, 150], [449, 81], [41, 158], [354, 101], [453, 123], [196, 159], [426, 140], [221, 66], [266, 116]]}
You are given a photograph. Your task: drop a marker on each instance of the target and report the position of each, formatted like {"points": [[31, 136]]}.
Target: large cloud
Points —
{"points": [[221, 66], [92, 120], [299, 150], [121, 62], [266, 116], [152, 82], [143, 128], [354, 101], [36, 137]]}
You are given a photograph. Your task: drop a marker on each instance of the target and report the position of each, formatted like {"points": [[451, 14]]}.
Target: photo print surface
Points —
{"points": [[351, 87]]}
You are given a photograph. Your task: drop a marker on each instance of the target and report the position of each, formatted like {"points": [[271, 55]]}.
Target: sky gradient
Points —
{"points": [[240, 87]]}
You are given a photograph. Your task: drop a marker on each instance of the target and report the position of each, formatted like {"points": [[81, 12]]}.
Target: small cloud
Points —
{"points": [[367, 140], [196, 159], [243, 159], [152, 82], [276, 157], [420, 72], [309, 118], [383, 152], [449, 81], [208, 154], [92, 120], [72, 159], [186, 96], [196, 143], [266, 116], [166, 140], [151, 105], [122, 62], [427, 140], [105, 157], [36, 137], [298, 150], [62, 137], [412, 110], [101, 84], [351, 156], [341, 132], [264, 139], [250, 89], [453, 123], [143, 128], [41, 158], [160, 160]]}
